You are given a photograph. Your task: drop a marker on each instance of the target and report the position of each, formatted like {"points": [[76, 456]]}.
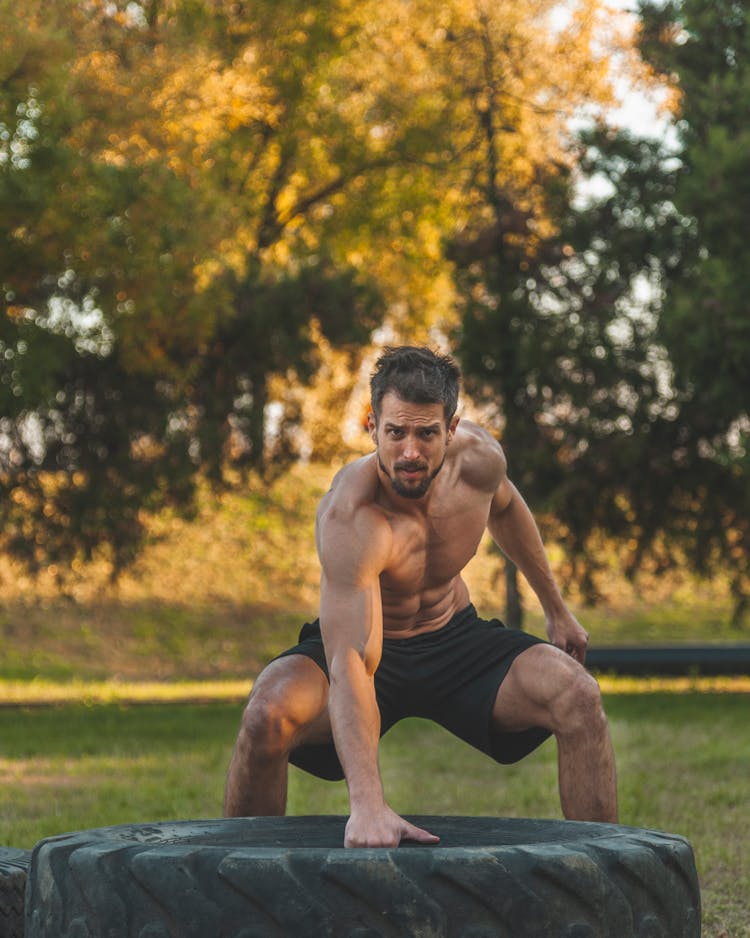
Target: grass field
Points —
{"points": [[682, 761]]}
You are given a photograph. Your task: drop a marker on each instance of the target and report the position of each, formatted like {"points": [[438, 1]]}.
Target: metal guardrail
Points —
{"points": [[655, 660]]}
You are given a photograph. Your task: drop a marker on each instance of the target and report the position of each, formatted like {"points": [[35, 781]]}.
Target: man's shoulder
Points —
{"points": [[349, 523], [480, 456], [352, 493]]}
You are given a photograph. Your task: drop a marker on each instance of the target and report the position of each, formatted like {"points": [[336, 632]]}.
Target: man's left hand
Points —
{"points": [[566, 632]]}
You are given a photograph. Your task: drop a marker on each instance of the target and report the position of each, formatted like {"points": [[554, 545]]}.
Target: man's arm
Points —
{"points": [[515, 532], [353, 551]]}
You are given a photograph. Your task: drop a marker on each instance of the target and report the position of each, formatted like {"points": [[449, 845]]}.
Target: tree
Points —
{"points": [[176, 194], [273, 331], [705, 322], [87, 436], [562, 341], [636, 330], [279, 143], [193, 190], [99, 448]]}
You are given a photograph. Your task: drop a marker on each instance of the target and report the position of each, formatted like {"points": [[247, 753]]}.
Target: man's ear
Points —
{"points": [[452, 427], [372, 428]]}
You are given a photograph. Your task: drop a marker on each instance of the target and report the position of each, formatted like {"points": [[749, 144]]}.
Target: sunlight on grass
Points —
{"points": [[28, 693], [46, 692], [727, 684]]}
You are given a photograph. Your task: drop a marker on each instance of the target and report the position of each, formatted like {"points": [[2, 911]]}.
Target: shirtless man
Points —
{"points": [[398, 636]]}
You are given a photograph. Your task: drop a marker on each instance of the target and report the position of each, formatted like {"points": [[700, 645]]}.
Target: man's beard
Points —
{"points": [[415, 491]]}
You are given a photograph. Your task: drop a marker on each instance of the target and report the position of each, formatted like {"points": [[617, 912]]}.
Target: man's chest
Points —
{"points": [[431, 550]]}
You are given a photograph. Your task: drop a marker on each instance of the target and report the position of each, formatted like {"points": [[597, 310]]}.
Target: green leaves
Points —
{"points": [[616, 345], [200, 201]]}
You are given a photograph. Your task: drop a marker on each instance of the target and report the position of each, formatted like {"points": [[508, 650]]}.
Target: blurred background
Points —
{"points": [[214, 214]]}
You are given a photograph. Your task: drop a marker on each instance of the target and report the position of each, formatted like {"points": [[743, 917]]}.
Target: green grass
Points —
{"points": [[682, 760]]}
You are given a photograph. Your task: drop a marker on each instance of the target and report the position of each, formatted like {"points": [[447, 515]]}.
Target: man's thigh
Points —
{"points": [[536, 680]]}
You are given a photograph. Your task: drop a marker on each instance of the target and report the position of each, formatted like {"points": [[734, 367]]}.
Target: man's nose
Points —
{"points": [[411, 448]]}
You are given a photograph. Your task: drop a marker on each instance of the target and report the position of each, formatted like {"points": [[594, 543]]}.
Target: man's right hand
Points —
{"points": [[382, 827]]}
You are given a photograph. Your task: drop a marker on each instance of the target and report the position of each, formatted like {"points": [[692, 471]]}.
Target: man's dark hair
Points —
{"points": [[416, 375]]}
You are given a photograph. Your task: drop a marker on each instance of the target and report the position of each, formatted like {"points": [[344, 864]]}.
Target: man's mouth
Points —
{"points": [[411, 470], [410, 479]]}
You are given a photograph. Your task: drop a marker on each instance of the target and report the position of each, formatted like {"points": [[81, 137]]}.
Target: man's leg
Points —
{"points": [[545, 687], [288, 706]]}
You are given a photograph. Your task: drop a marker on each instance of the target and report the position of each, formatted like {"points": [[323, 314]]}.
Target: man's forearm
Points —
{"points": [[355, 723], [515, 531]]}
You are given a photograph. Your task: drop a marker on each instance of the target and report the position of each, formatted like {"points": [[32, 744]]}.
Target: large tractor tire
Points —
{"points": [[14, 868], [268, 877]]}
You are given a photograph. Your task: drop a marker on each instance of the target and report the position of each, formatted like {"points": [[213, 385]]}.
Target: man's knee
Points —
{"points": [[287, 705], [267, 726], [577, 707]]}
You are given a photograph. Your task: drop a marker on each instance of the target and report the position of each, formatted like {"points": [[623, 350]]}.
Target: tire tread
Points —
{"points": [[240, 878]]}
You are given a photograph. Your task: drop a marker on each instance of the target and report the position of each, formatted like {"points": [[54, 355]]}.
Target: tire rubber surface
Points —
{"points": [[14, 868], [268, 877]]}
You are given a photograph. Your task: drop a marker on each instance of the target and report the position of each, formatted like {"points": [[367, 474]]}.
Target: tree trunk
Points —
{"points": [[513, 604], [257, 421]]}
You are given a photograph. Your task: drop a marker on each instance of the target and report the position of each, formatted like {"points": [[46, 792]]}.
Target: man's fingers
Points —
{"points": [[577, 652], [383, 830], [410, 832]]}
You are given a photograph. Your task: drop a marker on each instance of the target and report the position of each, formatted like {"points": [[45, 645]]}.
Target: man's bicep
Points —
{"points": [[352, 557], [351, 620], [504, 495]]}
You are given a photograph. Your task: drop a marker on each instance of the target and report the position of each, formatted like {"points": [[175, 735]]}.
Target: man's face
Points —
{"points": [[411, 441]]}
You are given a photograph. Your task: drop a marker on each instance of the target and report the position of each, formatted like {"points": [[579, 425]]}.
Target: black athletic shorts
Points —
{"points": [[450, 676]]}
